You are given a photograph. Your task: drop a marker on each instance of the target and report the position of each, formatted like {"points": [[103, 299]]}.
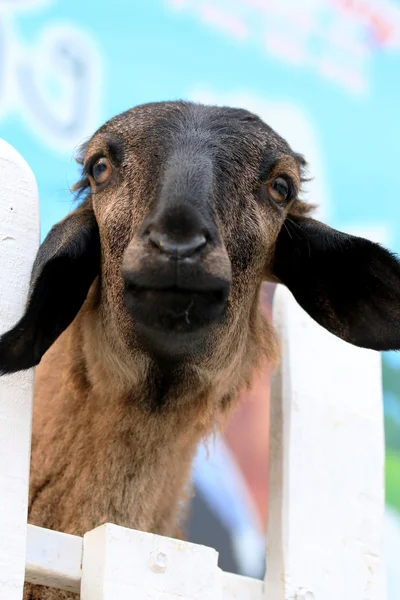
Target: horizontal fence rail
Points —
{"points": [[324, 539], [112, 562], [54, 559]]}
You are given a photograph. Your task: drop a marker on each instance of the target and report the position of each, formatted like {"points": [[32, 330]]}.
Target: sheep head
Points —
{"points": [[187, 209]]}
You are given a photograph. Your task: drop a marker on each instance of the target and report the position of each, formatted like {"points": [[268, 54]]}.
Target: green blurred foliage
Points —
{"points": [[391, 387], [393, 479]]}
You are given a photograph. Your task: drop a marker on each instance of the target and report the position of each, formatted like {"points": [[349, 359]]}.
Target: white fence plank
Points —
{"points": [[237, 587], [54, 559], [19, 240], [121, 564], [326, 465]]}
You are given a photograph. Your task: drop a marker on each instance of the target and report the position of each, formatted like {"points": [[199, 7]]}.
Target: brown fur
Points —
{"points": [[98, 455], [101, 451]]}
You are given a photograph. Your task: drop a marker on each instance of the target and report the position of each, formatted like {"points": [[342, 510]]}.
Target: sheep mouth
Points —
{"points": [[174, 322], [175, 309]]}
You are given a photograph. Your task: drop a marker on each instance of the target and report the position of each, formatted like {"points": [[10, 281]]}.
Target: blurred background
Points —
{"points": [[324, 73]]}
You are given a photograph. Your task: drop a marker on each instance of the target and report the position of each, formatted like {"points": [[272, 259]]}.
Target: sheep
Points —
{"points": [[143, 313]]}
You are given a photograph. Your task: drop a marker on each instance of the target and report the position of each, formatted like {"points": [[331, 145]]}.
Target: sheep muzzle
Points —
{"points": [[177, 278]]}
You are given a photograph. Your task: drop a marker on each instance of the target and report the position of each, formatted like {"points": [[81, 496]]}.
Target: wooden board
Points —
{"points": [[19, 240], [326, 465]]}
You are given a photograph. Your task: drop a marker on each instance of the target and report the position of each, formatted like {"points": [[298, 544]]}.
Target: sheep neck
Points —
{"points": [[104, 453]]}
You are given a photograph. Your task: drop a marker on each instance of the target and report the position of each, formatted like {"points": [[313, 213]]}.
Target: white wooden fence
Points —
{"points": [[324, 539]]}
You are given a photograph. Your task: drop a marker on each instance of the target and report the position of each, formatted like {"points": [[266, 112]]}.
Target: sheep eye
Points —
{"points": [[101, 170], [279, 190]]}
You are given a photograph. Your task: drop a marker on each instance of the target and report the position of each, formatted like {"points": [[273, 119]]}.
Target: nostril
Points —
{"points": [[192, 245], [155, 239], [177, 249]]}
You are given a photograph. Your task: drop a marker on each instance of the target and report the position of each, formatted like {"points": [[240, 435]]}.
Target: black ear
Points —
{"points": [[64, 269], [349, 285]]}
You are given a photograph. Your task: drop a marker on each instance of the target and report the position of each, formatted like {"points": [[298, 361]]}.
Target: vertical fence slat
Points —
{"points": [[121, 564], [19, 240], [326, 465], [238, 587]]}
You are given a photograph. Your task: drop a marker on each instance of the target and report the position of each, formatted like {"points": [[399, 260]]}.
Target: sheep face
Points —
{"points": [[189, 201], [188, 209]]}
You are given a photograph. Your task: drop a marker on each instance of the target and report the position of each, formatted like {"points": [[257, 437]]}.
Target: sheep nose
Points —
{"points": [[175, 248]]}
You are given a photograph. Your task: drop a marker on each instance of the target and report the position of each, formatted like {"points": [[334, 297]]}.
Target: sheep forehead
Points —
{"points": [[231, 133]]}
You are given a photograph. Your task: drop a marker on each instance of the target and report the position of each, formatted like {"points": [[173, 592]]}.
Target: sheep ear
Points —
{"points": [[349, 285], [64, 269]]}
